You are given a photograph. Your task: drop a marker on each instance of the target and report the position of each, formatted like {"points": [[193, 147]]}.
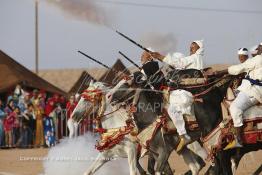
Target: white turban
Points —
{"points": [[242, 51], [200, 43], [253, 50]]}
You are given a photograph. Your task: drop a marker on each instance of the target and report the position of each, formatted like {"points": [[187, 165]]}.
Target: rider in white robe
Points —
{"points": [[250, 89], [181, 100]]}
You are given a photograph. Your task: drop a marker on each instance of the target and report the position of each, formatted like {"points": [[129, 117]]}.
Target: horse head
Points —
{"points": [[88, 103]]}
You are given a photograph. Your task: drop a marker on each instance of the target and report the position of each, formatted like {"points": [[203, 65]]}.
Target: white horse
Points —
{"points": [[125, 149]]}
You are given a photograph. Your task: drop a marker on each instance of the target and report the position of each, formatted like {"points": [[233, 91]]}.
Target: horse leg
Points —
{"points": [[191, 161], [162, 161], [168, 170], [224, 159], [139, 167], [132, 161], [101, 159], [234, 165], [196, 148], [151, 164], [75, 129], [70, 126]]}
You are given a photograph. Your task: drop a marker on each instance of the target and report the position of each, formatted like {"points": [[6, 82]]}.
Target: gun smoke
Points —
{"points": [[74, 156], [161, 42], [84, 10]]}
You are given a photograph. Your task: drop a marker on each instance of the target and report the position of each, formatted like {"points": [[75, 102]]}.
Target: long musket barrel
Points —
{"points": [[115, 71], [129, 60], [94, 60], [139, 45]]}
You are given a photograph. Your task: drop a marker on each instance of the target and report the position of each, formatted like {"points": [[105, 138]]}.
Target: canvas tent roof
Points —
{"points": [[82, 83], [110, 75], [12, 73]]}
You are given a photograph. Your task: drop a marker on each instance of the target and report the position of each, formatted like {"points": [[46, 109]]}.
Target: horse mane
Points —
{"points": [[208, 111], [98, 85]]}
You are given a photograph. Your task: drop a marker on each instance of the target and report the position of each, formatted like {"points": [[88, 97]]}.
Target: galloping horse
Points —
{"points": [[112, 119], [208, 114], [160, 145]]}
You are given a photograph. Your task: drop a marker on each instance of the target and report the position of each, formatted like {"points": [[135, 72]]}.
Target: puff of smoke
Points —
{"points": [[161, 42], [85, 10], [74, 156]]}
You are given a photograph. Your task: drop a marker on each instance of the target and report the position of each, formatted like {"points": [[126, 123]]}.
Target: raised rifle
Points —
{"points": [[91, 58], [100, 63], [128, 59], [132, 41]]}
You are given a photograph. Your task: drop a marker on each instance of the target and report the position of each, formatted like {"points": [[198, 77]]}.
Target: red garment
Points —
{"points": [[50, 106], [56, 98], [9, 121], [62, 100], [70, 108]]}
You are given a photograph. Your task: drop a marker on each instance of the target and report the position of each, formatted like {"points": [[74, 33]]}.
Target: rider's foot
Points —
{"points": [[239, 140], [184, 140]]}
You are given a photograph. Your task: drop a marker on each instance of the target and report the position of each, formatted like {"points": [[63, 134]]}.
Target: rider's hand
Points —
{"points": [[132, 109], [157, 55]]}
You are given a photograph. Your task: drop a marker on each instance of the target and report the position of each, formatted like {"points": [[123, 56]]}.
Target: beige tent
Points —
{"points": [[13, 73], [112, 76], [82, 83]]}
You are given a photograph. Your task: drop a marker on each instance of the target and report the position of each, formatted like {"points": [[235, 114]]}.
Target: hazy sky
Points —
{"points": [[165, 25]]}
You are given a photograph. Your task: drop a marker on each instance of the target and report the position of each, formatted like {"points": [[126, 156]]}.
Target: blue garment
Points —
{"points": [[2, 115], [253, 82], [49, 131]]}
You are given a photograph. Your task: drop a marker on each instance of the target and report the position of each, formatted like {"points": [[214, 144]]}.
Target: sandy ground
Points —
{"points": [[12, 162]]}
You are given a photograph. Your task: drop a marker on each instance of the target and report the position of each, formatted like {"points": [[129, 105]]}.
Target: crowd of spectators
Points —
{"points": [[33, 118]]}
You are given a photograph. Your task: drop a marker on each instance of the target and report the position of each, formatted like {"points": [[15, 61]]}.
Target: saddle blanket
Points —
{"points": [[223, 136]]}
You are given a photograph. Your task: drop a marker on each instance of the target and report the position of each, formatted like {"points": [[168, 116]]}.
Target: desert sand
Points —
{"points": [[12, 162]]}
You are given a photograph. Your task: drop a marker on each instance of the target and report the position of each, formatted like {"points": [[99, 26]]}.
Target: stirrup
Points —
{"points": [[182, 144], [233, 144]]}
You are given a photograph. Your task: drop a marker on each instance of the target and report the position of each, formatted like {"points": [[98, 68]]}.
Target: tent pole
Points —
{"points": [[36, 37]]}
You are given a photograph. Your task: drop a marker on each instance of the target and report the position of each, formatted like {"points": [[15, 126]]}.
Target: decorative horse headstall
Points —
{"points": [[92, 95]]}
